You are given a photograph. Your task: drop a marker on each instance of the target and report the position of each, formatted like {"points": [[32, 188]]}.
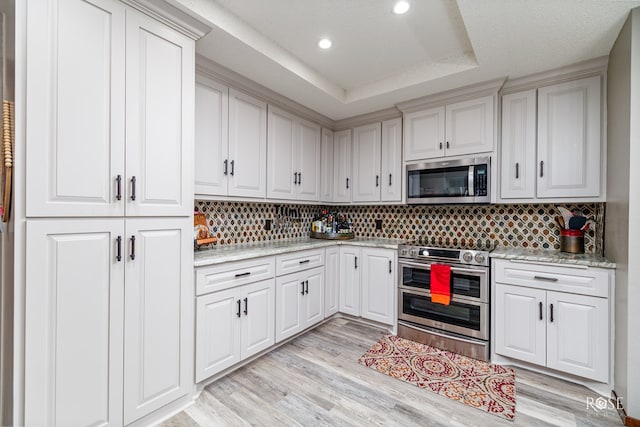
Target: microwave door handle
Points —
{"points": [[472, 186]]}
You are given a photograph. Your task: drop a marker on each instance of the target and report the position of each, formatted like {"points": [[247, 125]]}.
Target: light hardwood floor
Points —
{"points": [[316, 380]]}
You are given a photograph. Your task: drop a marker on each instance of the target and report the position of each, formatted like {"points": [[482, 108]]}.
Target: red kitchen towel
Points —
{"points": [[440, 283]]}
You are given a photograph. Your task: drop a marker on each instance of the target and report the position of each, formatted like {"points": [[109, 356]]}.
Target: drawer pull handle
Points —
{"points": [[540, 309], [243, 274], [238, 313], [302, 289], [547, 279], [246, 306], [306, 261]]}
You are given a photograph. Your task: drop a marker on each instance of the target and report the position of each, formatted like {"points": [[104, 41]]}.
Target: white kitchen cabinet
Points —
{"points": [[81, 57], [211, 137], [518, 153], [293, 157], [74, 323], [350, 280], [247, 166], [326, 166], [366, 163], [465, 127], [331, 281], [569, 139], [299, 301], [554, 316], [342, 182], [378, 285], [232, 325], [391, 168]]}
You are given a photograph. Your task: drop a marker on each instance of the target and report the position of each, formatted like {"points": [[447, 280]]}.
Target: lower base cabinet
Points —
{"points": [[299, 302], [232, 325], [331, 281]]}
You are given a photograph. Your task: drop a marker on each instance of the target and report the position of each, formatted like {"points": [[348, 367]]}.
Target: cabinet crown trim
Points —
{"points": [[174, 16]]}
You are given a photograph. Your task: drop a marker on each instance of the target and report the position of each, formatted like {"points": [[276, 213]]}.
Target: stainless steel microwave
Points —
{"points": [[466, 180]]}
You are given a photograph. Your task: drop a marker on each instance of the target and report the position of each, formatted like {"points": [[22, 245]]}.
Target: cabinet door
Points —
{"points": [[342, 182], [578, 336], [247, 146], [217, 332], [73, 325], [308, 159], [378, 285], [211, 138], [282, 152], [313, 300], [521, 323], [391, 168], [332, 281], [350, 280], [289, 292], [424, 134], [569, 139], [258, 317], [518, 170], [366, 163], [75, 105], [470, 126], [158, 314], [326, 166], [160, 80]]}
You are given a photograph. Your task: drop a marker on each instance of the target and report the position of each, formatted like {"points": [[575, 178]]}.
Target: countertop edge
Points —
{"points": [[559, 258]]}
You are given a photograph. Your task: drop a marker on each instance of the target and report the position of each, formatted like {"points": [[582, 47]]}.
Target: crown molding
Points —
{"points": [[171, 14], [490, 87], [208, 68], [368, 118], [592, 67]]}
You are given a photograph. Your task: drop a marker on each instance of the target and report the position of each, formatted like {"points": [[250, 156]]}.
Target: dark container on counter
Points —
{"points": [[572, 241]]}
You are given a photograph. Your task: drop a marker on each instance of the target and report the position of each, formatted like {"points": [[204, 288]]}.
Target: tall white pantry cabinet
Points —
{"points": [[109, 189]]}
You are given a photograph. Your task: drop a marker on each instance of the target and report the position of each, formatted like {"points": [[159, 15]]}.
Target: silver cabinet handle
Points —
{"points": [[547, 279]]}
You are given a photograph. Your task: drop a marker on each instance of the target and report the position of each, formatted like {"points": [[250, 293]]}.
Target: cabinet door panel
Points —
{"points": [[247, 146], [289, 290], [424, 134], [469, 126], [332, 281], [577, 339], [569, 139], [366, 163], [75, 104], [258, 323], [211, 138], [378, 285], [326, 166], [342, 183], [217, 332], [308, 187], [313, 300], [160, 102], [519, 330], [74, 320], [158, 299], [284, 134], [350, 264], [518, 171], [391, 168]]}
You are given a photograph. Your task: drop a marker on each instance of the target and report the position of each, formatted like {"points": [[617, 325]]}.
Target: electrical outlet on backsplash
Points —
{"points": [[517, 226]]}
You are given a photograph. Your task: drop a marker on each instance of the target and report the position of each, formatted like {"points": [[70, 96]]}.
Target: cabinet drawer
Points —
{"points": [[223, 276], [584, 281], [298, 261]]}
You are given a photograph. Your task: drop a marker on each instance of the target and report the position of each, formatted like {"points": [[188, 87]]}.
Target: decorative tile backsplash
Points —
{"points": [[515, 226]]}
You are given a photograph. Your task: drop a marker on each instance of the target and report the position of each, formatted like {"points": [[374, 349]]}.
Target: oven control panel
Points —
{"points": [[460, 256]]}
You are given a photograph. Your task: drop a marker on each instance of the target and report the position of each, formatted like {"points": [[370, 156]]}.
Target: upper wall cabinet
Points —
{"points": [[82, 124], [565, 160], [342, 182], [391, 167], [293, 169], [230, 141], [465, 127], [326, 166]]}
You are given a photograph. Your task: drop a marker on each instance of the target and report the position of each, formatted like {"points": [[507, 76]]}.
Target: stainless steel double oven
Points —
{"points": [[463, 325]]}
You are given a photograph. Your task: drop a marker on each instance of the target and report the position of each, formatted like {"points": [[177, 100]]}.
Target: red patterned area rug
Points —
{"points": [[488, 387]]}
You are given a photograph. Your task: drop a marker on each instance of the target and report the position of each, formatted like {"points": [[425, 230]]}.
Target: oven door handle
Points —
{"points": [[482, 271]]}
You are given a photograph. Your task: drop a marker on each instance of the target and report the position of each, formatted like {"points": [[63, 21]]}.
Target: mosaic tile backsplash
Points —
{"points": [[517, 226]]}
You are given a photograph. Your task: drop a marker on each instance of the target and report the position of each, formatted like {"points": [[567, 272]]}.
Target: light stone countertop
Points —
{"points": [[546, 255], [228, 253]]}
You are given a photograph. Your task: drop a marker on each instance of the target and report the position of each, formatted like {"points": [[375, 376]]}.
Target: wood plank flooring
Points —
{"points": [[315, 380]]}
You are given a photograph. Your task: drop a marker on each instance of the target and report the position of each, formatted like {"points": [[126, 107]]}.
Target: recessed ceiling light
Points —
{"points": [[325, 43], [401, 7]]}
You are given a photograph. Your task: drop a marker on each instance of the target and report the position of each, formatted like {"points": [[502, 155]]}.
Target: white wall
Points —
{"points": [[623, 206]]}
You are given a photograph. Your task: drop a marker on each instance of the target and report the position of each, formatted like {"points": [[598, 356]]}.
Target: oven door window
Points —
{"points": [[463, 284], [457, 313], [441, 182]]}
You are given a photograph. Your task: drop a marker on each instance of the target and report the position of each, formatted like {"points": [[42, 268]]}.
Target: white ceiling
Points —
{"points": [[379, 59]]}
